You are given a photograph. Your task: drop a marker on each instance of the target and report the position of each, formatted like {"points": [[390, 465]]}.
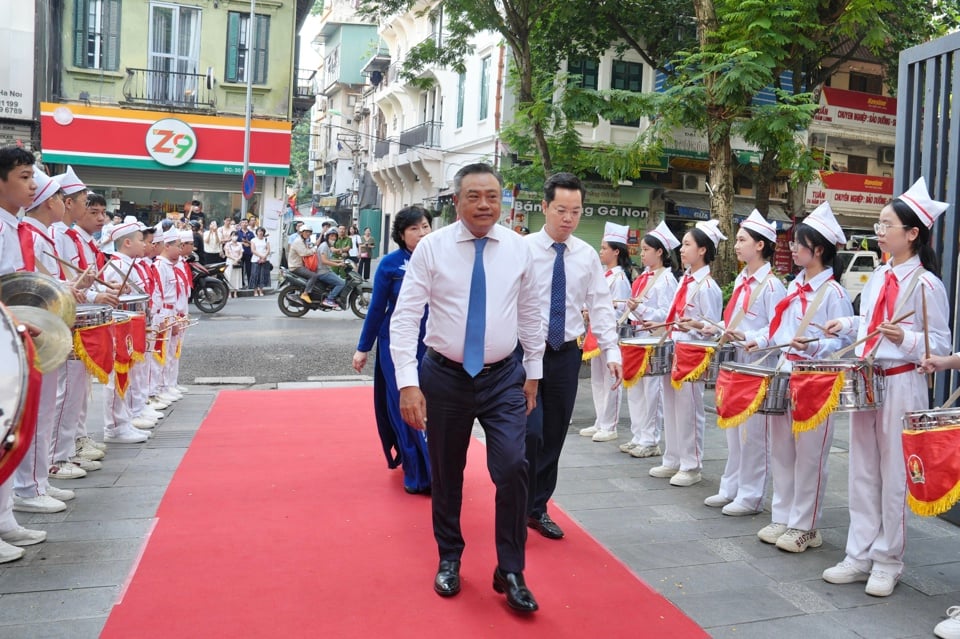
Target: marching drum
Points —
{"points": [[777, 396], [659, 356], [14, 375], [93, 335], [135, 304], [723, 354], [930, 440], [90, 316], [863, 384]]}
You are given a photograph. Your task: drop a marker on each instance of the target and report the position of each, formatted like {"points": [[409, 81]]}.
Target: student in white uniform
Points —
{"points": [[876, 539], [748, 315], [799, 461], [615, 257], [650, 299], [683, 416]]}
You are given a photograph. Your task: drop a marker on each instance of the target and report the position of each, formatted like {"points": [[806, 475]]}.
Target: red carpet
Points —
{"points": [[283, 521]]}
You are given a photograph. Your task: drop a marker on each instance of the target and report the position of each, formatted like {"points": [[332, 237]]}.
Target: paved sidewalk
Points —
{"points": [[711, 566]]}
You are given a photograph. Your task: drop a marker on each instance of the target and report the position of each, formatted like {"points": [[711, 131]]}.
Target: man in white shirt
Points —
{"points": [[573, 266], [479, 282]]}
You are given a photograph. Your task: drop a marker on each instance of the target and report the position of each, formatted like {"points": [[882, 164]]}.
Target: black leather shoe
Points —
{"points": [[545, 526], [512, 584], [447, 581]]}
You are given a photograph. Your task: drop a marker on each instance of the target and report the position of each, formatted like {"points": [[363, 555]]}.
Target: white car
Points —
{"points": [[855, 270]]}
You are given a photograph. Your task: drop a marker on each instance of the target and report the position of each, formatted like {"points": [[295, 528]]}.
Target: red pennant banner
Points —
{"points": [[636, 361], [933, 469], [689, 362], [738, 396], [591, 348], [813, 395], [94, 346]]}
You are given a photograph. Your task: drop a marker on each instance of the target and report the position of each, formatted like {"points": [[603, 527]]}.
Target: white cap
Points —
{"points": [[186, 236], [712, 229], [158, 233], [69, 182], [918, 198], [615, 233], [46, 187], [130, 218], [757, 224], [172, 235], [823, 222], [121, 230], [666, 236]]}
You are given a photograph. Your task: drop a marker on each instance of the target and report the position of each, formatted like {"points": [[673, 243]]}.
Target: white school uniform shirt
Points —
{"points": [[439, 274], [756, 321], [166, 293], [619, 287], [835, 303], [586, 288], [913, 347], [124, 262], [11, 259], [42, 247], [704, 299], [656, 301]]}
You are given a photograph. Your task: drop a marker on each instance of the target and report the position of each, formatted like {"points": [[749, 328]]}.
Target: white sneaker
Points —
{"points": [[686, 478], [169, 399], [881, 583], [183, 390], [646, 451], [66, 470], [90, 442], [171, 393], [143, 423], [9, 552], [796, 540], [770, 533], [89, 452], [156, 404], [40, 504], [150, 413], [589, 431], [602, 436], [626, 448], [949, 628], [125, 436], [148, 433], [86, 464], [844, 573], [21, 536], [733, 509], [716, 501], [60, 493], [663, 471]]}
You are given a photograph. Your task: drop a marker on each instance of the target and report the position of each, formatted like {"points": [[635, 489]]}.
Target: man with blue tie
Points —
{"points": [[572, 278], [478, 279]]}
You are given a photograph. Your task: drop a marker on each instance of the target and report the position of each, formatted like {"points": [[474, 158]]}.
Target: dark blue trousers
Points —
{"points": [[548, 423], [454, 400]]}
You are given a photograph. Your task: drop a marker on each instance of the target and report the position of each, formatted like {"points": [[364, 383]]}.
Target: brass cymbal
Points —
{"points": [[39, 290], [55, 341]]}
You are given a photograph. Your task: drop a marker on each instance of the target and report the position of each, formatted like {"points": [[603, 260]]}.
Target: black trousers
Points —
{"points": [[548, 423], [496, 399]]}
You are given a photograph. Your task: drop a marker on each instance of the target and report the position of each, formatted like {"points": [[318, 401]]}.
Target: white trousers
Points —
{"points": [[116, 409], [7, 521], [30, 478], [154, 375], [645, 401], [799, 465], [171, 371], [139, 377], [878, 477], [748, 462], [73, 391], [606, 402], [682, 425]]}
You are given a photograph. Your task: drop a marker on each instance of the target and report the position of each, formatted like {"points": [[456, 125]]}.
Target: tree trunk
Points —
{"points": [[524, 63], [766, 173]]}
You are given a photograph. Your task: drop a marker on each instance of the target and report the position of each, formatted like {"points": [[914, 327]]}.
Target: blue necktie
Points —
{"points": [[476, 314], [558, 300]]}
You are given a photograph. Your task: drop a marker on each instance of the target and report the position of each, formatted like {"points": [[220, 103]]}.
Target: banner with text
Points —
{"points": [[850, 191], [861, 110]]}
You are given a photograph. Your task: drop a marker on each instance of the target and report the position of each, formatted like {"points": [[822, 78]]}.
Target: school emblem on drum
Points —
{"points": [[915, 464], [130, 345]]}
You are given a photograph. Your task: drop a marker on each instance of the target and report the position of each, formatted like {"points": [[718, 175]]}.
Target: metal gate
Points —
{"points": [[928, 144]]}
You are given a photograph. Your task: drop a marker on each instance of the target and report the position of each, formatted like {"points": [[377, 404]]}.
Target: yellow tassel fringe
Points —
{"points": [[629, 383], [588, 355], [82, 354], [934, 508], [828, 407], [739, 418], [696, 372]]}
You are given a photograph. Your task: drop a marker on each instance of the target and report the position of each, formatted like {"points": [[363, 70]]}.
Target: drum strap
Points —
{"points": [[754, 296]]}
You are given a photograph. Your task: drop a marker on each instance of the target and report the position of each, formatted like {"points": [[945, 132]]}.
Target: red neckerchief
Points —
{"points": [[679, 300], [81, 257], [883, 308], [743, 289], [782, 305], [26, 232], [640, 283]]}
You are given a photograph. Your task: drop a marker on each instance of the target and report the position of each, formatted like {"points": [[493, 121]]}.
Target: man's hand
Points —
{"points": [[616, 372], [413, 407], [530, 392], [359, 361]]}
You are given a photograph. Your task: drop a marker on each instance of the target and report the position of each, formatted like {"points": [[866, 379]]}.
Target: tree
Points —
{"points": [[300, 176]]}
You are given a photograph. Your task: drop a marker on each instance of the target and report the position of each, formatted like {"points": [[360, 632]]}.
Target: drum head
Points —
{"points": [[13, 379]]}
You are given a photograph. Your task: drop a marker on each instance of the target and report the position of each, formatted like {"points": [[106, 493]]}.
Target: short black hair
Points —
{"points": [[474, 169], [703, 241], [13, 156], [95, 199], [562, 181], [405, 218]]}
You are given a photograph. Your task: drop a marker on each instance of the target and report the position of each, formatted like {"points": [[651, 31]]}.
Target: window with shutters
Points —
{"points": [[626, 76], [584, 72], [484, 87], [247, 48], [461, 90], [96, 34]]}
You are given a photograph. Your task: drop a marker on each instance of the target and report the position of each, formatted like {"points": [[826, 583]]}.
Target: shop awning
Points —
{"points": [[742, 206]]}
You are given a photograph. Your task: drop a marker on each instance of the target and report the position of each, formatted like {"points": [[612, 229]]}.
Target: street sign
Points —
{"points": [[249, 184]]}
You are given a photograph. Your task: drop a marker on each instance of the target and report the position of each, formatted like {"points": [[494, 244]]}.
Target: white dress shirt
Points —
{"points": [[124, 264], [586, 288], [439, 275], [913, 347], [704, 299], [755, 324], [655, 304], [42, 248], [11, 259]]}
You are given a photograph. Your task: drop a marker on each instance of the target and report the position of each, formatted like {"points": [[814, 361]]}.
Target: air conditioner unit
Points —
{"points": [[693, 182], [886, 154]]}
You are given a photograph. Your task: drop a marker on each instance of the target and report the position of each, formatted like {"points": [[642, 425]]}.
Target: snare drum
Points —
{"points": [[930, 440], [14, 376], [93, 339], [89, 316], [659, 361], [135, 304], [696, 355], [777, 396], [933, 418], [723, 354], [863, 384]]}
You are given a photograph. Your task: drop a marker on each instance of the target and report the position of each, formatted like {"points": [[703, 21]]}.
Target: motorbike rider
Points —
{"points": [[324, 273], [299, 249]]}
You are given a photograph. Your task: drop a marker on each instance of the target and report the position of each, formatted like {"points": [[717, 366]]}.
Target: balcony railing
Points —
{"points": [[306, 86], [426, 134], [168, 89], [381, 148]]}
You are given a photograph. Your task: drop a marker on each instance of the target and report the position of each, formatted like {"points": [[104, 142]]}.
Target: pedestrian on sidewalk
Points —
{"points": [[260, 263], [576, 281]]}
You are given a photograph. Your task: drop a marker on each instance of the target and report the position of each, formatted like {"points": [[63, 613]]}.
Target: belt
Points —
{"points": [[169, 307], [897, 370], [793, 357], [449, 363], [566, 346]]}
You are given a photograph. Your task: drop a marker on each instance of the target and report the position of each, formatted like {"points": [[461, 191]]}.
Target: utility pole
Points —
{"points": [[248, 70]]}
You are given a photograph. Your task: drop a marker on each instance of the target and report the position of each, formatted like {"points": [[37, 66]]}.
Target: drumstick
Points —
{"points": [[125, 278], [804, 340], [953, 397], [926, 332], [75, 268], [133, 284], [869, 336]]}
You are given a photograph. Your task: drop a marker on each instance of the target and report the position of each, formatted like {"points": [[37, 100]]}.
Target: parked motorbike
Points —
{"points": [[210, 289], [355, 294]]}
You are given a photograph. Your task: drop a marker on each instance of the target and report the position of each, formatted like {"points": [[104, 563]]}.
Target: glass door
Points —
{"points": [[174, 55]]}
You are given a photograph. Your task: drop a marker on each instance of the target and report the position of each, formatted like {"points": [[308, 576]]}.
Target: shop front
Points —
{"points": [[152, 164], [856, 199]]}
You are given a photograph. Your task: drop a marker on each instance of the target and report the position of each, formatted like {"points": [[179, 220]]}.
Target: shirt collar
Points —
{"points": [[700, 273], [904, 269], [86, 237], [9, 218], [35, 223], [464, 234], [815, 283], [758, 275]]}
